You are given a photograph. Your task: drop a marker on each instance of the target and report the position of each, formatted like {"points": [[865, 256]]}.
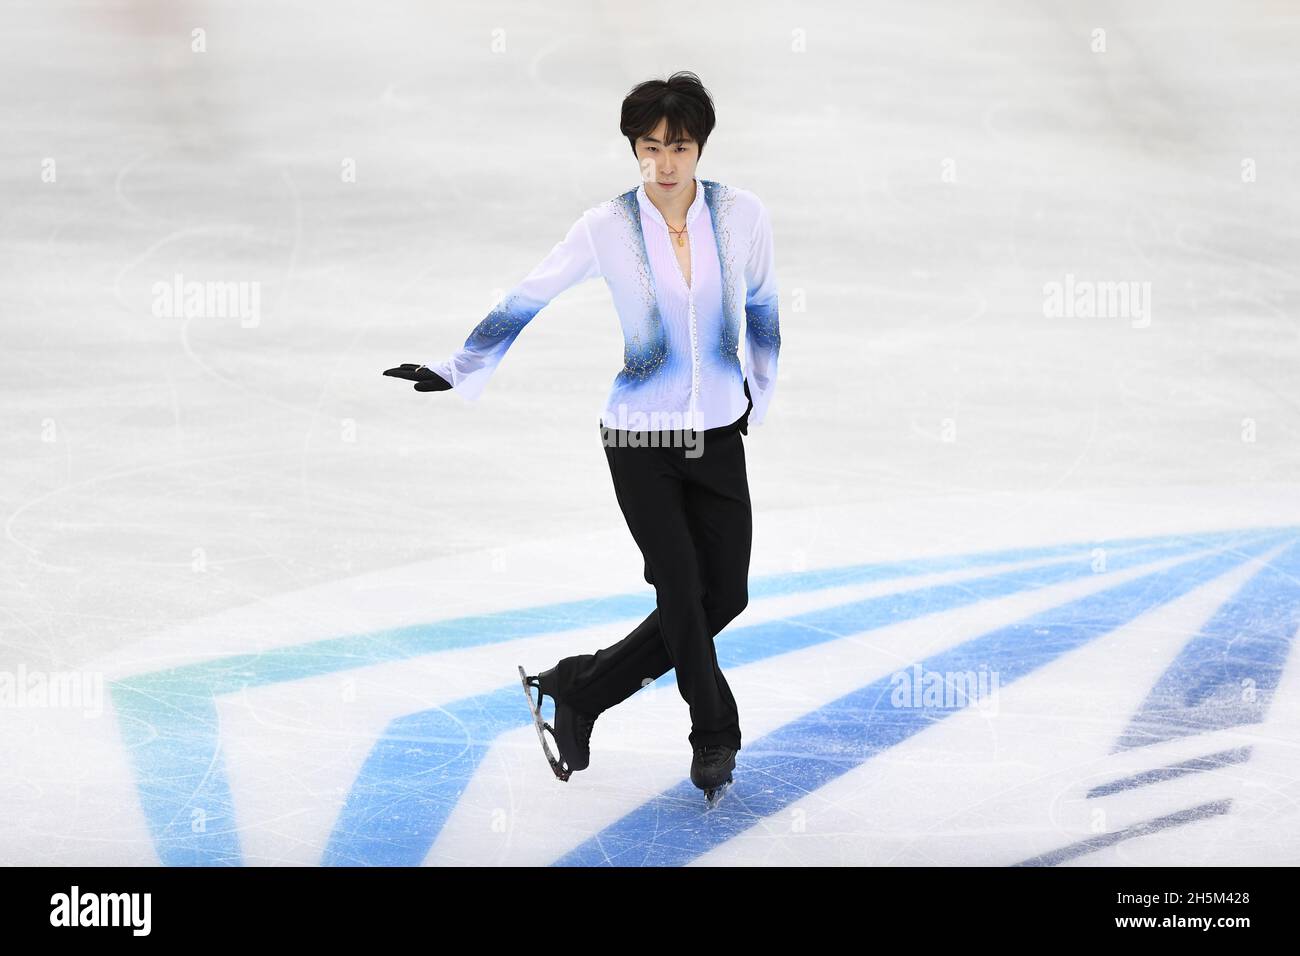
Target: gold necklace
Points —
{"points": [[677, 232]]}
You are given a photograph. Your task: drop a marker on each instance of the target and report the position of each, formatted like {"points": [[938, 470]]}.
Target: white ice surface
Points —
{"points": [[179, 490]]}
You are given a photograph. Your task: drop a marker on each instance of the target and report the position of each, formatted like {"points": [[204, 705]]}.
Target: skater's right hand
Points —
{"points": [[425, 378]]}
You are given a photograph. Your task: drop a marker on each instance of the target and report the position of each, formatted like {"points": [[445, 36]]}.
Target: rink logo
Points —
{"points": [[179, 299], [1088, 300], [945, 690], [102, 909], [404, 796], [22, 688]]}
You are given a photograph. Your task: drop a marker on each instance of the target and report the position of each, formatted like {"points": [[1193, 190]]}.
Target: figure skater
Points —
{"points": [[679, 254]]}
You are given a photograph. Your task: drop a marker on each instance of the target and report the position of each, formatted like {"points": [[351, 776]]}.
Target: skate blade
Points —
{"points": [[541, 726], [713, 795]]}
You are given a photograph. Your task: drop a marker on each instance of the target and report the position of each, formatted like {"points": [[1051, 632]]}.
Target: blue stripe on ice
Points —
{"points": [[419, 792], [414, 777], [1171, 772], [169, 720], [783, 767], [1227, 674], [1100, 841], [180, 772]]}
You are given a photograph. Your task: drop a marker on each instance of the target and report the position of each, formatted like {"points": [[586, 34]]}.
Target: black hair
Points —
{"points": [[681, 99]]}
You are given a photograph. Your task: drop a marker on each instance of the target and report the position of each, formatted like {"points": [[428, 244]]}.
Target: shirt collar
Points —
{"points": [[650, 210]]}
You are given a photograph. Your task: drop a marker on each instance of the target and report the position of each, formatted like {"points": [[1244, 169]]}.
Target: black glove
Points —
{"points": [[425, 378]]}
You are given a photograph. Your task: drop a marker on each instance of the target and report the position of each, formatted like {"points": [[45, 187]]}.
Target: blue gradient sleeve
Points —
{"points": [[571, 261], [762, 325]]}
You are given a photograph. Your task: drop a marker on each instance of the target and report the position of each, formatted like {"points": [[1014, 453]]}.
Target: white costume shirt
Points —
{"points": [[680, 363]]}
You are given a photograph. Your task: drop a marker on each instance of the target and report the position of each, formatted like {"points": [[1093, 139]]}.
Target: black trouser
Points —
{"points": [[689, 511]]}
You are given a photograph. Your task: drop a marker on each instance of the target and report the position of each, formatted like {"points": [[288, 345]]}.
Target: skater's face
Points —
{"points": [[666, 168]]}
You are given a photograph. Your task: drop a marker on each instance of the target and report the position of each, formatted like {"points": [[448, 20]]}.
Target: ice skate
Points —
{"points": [[571, 732], [711, 770]]}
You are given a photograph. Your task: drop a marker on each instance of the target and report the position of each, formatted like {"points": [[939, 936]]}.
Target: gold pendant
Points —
{"points": [[681, 241]]}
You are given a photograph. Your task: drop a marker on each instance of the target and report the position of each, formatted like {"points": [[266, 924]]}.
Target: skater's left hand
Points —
{"points": [[425, 378]]}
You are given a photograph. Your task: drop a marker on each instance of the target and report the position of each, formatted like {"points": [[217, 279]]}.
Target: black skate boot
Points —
{"points": [[711, 770], [572, 730]]}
